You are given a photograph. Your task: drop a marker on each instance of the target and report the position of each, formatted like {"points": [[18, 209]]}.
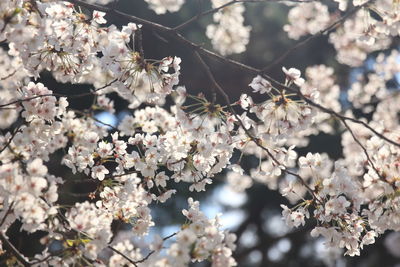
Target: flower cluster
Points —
{"points": [[358, 36], [128, 202], [281, 114], [91, 227], [228, 35], [162, 6], [307, 18], [29, 197], [137, 163], [204, 237]]}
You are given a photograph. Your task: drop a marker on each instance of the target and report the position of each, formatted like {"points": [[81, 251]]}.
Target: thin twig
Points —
{"points": [[87, 115], [123, 255], [8, 76], [10, 139], [200, 15], [44, 259], [216, 9], [92, 92], [139, 38], [153, 251], [25, 99], [342, 117], [144, 258], [364, 149]]}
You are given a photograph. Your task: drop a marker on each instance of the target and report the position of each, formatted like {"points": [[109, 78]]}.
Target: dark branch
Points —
{"points": [[10, 139], [92, 92], [153, 251], [214, 10], [123, 255], [7, 244]]}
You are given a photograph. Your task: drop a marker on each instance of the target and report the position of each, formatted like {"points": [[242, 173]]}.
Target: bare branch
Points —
{"points": [[87, 115], [153, 251], [92, 92], [25, 99], [214, 10], [123, 255], [135, 263], [205, 13], [8, 76], [140, 43], [7, 244]]}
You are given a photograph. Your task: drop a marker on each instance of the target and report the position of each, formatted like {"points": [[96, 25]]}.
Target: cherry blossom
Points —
{"points": [[171, 140]]}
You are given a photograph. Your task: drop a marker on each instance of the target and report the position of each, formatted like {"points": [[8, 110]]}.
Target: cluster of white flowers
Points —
{"points": [[204, 237], [12, 73], [199, 239], [237, 180], [372, 88], [337, 205], [228, 35], [322, 78], [358, 36], [134, 165], [128, 202], [138, 80], [350, 213], [307, 18], [162, 6], [351, 43], [70, 45], [29, 197], [280, 114], [93, 227]]}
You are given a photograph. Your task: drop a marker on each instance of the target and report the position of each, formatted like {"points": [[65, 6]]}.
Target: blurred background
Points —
{"points": [[255, 215]]}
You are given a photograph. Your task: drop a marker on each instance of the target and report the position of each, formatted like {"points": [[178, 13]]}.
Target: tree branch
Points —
{"points": [[364, 149], [205, 13], [153, 251], [92, 92], [7, 244], [123, 255], [216, 9], [10, 139], [8, 76]]}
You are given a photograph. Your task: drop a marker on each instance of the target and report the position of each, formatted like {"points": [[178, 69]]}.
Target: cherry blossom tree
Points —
{"points": [[172, 136]]}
